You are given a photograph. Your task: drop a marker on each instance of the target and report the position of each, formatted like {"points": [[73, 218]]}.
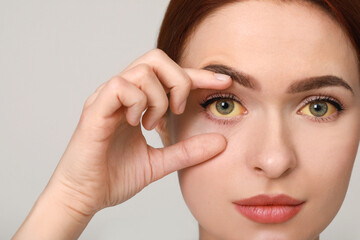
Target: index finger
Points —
{"points": [[171, 74], [207, 79], [179, 81]]}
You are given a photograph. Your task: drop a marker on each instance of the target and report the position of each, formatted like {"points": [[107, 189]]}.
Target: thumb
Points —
{"points": [[184, 154]]}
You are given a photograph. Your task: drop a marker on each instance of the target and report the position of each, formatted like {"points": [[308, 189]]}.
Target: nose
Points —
{"points": [[273, 155]]}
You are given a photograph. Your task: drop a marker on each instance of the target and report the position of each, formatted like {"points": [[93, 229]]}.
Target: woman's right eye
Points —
{"points": [[225, 107]]}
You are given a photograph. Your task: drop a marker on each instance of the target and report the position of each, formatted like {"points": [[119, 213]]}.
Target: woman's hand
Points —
{"points": [[108, 160]]}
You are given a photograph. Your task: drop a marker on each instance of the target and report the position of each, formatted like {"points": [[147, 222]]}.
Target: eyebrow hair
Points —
{"points": [[298, 86]]}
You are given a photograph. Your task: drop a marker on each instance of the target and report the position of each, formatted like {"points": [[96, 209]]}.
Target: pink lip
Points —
{"points": [[269, 208]]}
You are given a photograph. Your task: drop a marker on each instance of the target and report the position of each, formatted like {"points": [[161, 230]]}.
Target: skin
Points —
{"points": [[108, 160], [271, 149]]}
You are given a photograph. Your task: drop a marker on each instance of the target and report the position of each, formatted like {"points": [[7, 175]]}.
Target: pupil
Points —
{"points": [[225, 107], [318, 109]]}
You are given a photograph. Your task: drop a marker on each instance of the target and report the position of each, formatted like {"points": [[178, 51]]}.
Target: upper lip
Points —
{"points": [[264, 199]]}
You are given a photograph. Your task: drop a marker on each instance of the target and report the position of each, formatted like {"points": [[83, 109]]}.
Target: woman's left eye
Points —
{"points": [[321, 108], [226, 108]]}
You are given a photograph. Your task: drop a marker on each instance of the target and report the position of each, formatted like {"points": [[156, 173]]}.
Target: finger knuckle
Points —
{"points": [[187, 84], [98, 89], [141, 97], [164, 104], [115, 83], [88, 102], [140, 100], [157, 53], [143, 100], [185, 151], [143, 70], [85, 116], [157, 164], [183, 88]]}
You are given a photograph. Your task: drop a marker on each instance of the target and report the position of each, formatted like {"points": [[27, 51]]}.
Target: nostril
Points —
{"points": [[287, 172], [257, 169]]}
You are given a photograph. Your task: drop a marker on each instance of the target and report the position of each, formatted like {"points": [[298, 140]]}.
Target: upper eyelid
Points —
{"points": [[213, 97], [321, 97]]}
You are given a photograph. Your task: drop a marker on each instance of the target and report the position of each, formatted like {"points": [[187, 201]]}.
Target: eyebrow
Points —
{"points": [[298, 86]]}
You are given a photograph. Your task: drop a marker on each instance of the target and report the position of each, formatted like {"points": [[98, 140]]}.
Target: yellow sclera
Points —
{"points": [[331, 109], [230, 108]]}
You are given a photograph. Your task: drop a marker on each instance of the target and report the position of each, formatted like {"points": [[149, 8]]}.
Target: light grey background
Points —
{"points": [[53, 55]]}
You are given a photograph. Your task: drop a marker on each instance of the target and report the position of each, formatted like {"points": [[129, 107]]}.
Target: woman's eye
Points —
{"points": [[226, 108], [319, 109]]}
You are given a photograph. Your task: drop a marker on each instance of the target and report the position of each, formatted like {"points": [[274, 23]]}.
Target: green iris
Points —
{"points": [[225, 107], [318, 109]]}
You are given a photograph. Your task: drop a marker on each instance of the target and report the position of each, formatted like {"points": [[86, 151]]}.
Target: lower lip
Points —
{"points": [[270, 213]]}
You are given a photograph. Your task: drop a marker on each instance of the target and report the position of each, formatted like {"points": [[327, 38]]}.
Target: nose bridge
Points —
{"points": [[275, 155]]}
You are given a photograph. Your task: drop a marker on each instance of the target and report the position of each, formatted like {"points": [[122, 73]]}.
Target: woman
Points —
{"points": [[262, 123]]}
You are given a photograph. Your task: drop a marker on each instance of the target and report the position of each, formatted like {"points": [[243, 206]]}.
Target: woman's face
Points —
{"points": [[290, 130]]}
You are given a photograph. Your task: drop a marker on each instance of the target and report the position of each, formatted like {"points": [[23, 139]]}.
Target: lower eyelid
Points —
{"points": [[322, 119], [223, 121]]}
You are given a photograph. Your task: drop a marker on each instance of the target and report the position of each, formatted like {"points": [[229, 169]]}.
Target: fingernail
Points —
{"points": [[182, 107], [221, 77]]}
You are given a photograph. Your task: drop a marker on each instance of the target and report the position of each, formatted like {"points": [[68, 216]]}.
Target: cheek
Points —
{"points": [[202, 188], [208, 192], [207, 187], [327, 154], [326, 158]]}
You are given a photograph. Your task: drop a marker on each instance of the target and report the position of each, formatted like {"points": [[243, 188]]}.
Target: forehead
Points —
{"points": [[271, 39]]}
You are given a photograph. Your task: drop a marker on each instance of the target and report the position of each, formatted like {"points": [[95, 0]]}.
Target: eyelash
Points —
{"points": [[325, 98], [215, 97], [320, 97], [218, 96]]}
